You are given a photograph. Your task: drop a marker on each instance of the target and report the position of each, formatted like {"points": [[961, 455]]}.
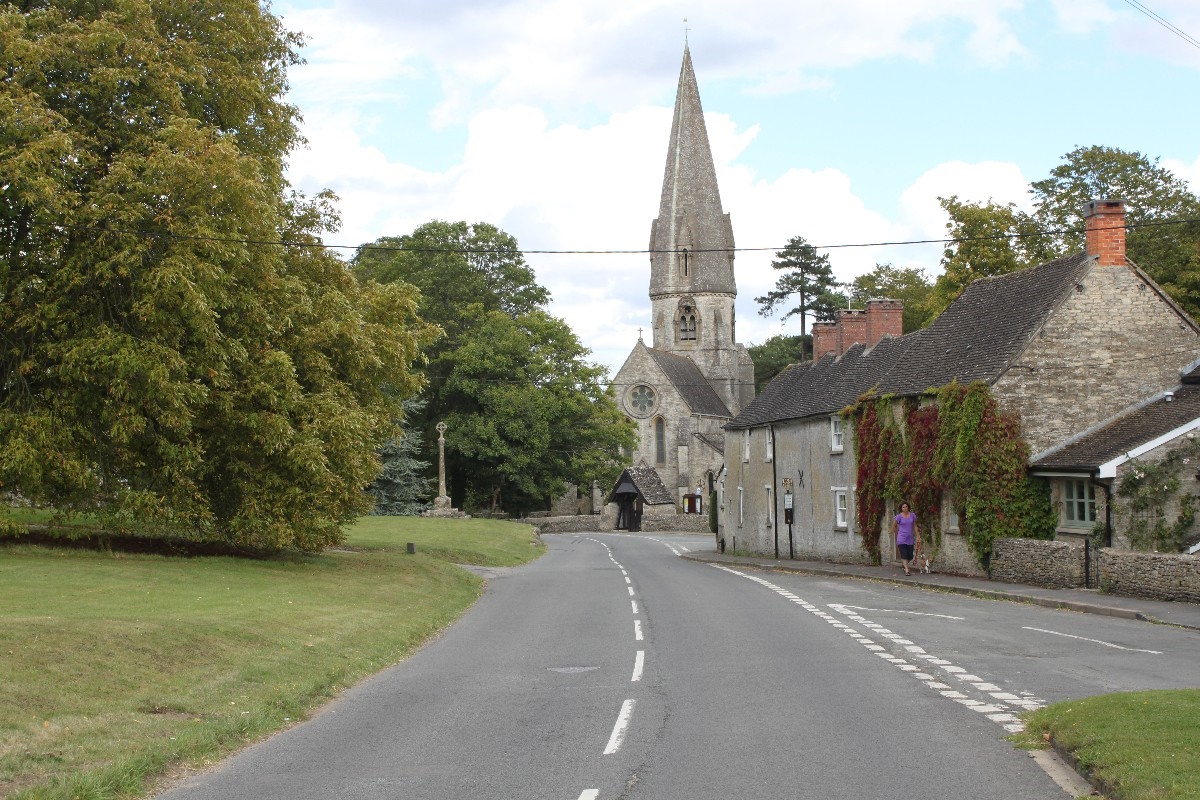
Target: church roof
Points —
{"points": [[691, 384], [690, 216], [976, 338]]}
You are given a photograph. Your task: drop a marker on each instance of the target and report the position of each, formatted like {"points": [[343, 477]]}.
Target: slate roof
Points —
{"points": [[1131, 428], [648, 484], [691, 384], [976, 338]]}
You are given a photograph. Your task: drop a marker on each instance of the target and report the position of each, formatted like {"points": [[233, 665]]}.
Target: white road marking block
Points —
{"points": [[637, 629], [618, 734], [639, 664], [589, 794], [634, 604]]}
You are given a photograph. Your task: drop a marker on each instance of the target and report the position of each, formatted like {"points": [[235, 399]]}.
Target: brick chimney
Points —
{"points": [[852, 328], [825, 340], [1105, 221], [884, 318]]}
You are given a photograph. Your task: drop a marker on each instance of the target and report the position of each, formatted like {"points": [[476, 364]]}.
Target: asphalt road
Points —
{"points": [[612, 668]]}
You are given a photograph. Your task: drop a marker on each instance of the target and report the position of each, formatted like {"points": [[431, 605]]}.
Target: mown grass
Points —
{"points": [[115, 668], [1136, 745]]}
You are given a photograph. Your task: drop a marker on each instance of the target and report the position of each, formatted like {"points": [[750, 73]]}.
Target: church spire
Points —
{"points": [[692, 239]]}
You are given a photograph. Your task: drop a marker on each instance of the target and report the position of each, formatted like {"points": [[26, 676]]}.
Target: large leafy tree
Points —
{"points": [[158, 362], [774, 355], [906, 284], [526, 410], [1163, 216], [988, 239], [806, 285]]}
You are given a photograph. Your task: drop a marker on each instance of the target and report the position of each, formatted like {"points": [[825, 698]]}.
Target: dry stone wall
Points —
{"points": [[1155, 576], [1058, 565]]}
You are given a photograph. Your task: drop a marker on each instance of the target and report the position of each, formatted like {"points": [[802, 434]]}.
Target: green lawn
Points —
{"points": [[1138, 745], [115, 667]]}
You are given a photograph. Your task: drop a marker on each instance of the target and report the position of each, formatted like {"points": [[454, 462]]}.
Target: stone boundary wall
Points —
{"points": [[583, 523], [1058, 565], [680, 523], [578, 523], [1154, 576]]}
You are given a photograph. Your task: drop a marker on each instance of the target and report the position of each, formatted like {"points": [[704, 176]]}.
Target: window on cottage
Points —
{"points": [[770, 451], [770, 507], [741, 505], [660, 441], [1078, 503], [746, 446], [841, 508], [835, 434]]}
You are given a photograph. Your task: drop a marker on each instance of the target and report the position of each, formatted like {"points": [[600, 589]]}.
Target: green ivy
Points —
{"points": [[959, 444], [1148, 488]]}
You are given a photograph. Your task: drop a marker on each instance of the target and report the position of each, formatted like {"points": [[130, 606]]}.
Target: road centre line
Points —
{"points": [[639, 664], [637, 629], [996, 712], [840, 606], [634, 604], [1096, 641], [619, 730], [589, 794]]}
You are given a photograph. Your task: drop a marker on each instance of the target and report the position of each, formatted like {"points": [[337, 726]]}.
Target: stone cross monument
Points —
{"points": [[442, 501]]}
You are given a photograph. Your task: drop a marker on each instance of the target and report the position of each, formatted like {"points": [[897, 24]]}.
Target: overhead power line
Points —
{"points": [[1163, 22], [478, 251]]}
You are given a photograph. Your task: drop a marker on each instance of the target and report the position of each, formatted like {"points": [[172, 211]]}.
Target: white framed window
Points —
{"points": [[770, 451], [1078, 503], [841, 508], [741, 505], [746, 446], [835, 434], [770, 506], [952, 523]]}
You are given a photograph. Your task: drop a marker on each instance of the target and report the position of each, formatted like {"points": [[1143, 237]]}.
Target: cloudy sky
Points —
{"points": [[841, 122]]}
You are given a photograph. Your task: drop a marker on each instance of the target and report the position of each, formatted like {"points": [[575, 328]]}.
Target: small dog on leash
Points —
{"points": [[925, 565]]}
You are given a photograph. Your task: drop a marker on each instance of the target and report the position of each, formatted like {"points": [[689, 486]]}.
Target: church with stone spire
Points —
{"points": [[694, 376]]}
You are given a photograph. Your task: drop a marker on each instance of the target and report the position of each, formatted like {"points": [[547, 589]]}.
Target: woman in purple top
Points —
{"points": [[906, 530]]}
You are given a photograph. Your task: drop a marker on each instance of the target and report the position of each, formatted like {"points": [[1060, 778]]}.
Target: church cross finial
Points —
{"points": [[639, 334], [685, 32]]}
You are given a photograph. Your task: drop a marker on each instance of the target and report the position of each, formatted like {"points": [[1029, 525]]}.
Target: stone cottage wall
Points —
{"points": [[1098, 350], [1058, 565]]}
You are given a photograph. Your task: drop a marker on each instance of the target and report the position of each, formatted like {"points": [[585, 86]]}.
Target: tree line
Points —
{"points": [[166, 368], [986, 239]]}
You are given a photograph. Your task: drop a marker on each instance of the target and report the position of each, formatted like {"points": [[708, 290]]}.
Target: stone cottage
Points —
{"points": [[694, 377], [1062, 344]]}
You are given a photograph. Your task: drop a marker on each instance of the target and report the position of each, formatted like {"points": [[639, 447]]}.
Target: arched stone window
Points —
{"points": [[687, 324], [660, 441]]}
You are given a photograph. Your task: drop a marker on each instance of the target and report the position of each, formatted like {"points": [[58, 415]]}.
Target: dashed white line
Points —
{"points": [[634, 604], [637, 629], [998, 713], [1095, 641], [630, 588], [589, 794], [639, 664], [619, 730]]}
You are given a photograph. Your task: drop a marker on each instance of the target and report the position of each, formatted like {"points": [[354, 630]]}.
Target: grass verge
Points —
{"points": [[116, 668], [1134, 745]]}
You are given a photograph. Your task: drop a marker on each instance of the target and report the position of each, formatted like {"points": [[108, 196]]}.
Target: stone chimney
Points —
{"points": [[852, 328], [1105, 221]]}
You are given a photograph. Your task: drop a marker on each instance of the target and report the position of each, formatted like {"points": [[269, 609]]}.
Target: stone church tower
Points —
{"points": [[695, 376]]}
